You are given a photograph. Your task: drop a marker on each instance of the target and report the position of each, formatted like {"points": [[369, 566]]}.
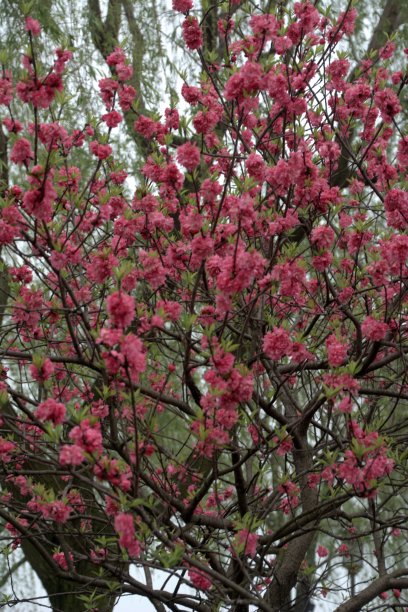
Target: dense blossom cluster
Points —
{"points": [[212, 365]]}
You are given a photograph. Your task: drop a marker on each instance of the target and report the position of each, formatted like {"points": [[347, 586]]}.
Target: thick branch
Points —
{"points": [[396, 580]]}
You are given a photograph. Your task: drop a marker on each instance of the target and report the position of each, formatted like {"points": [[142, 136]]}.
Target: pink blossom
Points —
{"points": [[345, 405], [192, 95], [247, 541], [322, 262], [124, 526], [126, 96], [121, 309], [395, 252], [322, 551], [277, 343], [21, 153], [101, 266], [291, 492], [343, 550], [356, 95], [171, 309], [132, 349], [101, 151], [346, 21], [373, 329], [124, 72], [225, 26], [388, 50], [22, 274], [87, 436], [6, 88], [255, 166], [108, 87], [6, 447], [56, 511], [71, 454], [388, 103], [338, 70], [307, 15], [38, 202], [248, 79], [283, 446], [336, 351], [299, 353], [51, 410], [396, 205], [147, 127], [112, 119], [153, 270], [60, 559], [183, 6], [322, 236], [13, 125], [402, 154], [7, 233], [40, 92], [33, 26], [199, 580], [42, 372], [192, 34], [264, 26], [98, 555], [188, 156], [172, 118]]}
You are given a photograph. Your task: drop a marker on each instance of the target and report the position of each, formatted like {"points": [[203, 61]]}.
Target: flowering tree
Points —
{"points": [[206, 375]]}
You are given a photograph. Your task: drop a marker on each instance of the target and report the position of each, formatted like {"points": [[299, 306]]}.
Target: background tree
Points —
{"points": [[206, 367]]}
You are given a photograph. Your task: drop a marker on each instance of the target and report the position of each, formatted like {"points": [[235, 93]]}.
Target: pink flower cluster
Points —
{"points": [[33, 26], [22, 153], [227, 387], [6, 88], [6, 447], [57, 510], [40, 92], [121, 309], [277, 343], [290, 499], [117, 60], [366, 463], [101, 151], [183, 6], [51, 410], [39, 200], [336, 351], [124, 526], [396, 206], [199, 580], [71, 454], [247, 542], [87, 436], [42, 372], [192, 34], [188, 156], [374, 329], [61, 559], [322, 236]]}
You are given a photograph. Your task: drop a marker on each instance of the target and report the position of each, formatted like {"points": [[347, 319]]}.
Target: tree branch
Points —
{"points": [[396, 580]]}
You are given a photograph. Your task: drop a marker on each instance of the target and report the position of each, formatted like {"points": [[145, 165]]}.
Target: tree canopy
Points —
{"points": [[203, 306]]}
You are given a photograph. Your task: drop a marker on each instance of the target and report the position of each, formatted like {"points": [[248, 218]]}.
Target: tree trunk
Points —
{"points": [[64, 595]]}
